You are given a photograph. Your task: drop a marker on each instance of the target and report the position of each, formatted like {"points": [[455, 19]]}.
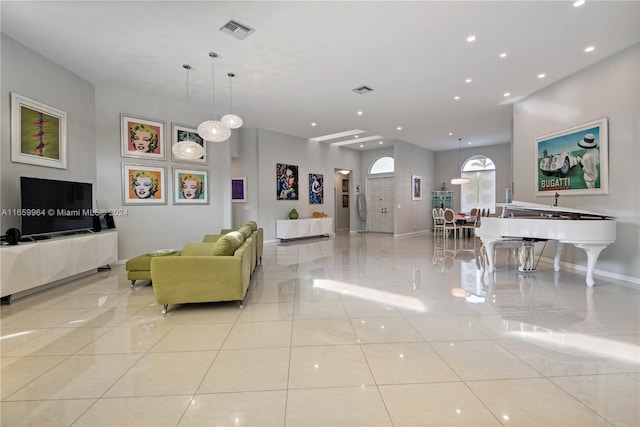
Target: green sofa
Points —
{"points": [[218, 269]]}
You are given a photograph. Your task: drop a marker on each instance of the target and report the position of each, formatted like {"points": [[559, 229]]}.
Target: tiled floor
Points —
{"points": [[356, 330]]}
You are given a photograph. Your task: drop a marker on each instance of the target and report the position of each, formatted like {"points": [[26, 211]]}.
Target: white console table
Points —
{"points": [[304, 227], [29, 265]]}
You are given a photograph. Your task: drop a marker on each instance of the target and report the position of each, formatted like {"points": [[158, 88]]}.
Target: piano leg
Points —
{"points": [[556, 259], [593, 251], [490, 251], [527, 256]]}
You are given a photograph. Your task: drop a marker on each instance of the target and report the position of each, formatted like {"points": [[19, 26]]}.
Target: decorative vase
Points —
{"points": [[293, 214]]}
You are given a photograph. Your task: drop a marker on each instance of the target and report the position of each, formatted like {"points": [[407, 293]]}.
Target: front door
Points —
{"points": [[380, 202]]}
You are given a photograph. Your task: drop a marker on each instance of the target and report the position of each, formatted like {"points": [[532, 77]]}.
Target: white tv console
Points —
{"points": [[29, 265]]}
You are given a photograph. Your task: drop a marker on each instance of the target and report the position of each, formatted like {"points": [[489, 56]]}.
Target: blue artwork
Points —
{"points": [[316, 185]]}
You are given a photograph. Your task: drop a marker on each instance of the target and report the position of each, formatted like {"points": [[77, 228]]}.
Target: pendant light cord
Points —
{"points": [[231, 76], [213, 55]]}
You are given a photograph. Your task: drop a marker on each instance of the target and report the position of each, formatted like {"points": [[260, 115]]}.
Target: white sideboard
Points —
{"points": [[305, 227], [29, 265]]}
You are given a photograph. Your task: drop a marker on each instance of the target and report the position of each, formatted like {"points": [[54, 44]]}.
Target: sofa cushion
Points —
{"points": [[252, 224], [198, 249], [227, 244], [246, 231]]}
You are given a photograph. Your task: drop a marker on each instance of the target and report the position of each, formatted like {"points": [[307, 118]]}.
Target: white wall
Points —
{"points": [[608, 89], [145, 228], [32, 75], [412, 216], [310, 157]]}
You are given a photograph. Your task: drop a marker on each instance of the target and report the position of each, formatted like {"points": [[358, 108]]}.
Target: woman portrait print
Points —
{"points": [[316, 195], [286, 182], [191, 186], [143, 138], [144, 184]]}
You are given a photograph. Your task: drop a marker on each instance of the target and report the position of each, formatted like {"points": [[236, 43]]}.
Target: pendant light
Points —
{"points": [[231, 120], [187, 149], [461, 180], [213, 130]]}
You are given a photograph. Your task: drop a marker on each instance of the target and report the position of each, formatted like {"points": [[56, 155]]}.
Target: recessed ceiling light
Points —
{"points": [[468, 81], [578, 3], [356, 136], [361, 145], [507, 94], [380, 143], [313, 124], [590, 49], [360, 113], [471, 39], [399, 128], [456, 97], [450, 133], [503, 55], [542, 75]]}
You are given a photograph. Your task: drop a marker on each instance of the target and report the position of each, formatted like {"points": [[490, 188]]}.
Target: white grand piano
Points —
{"points": [[526, 223]]}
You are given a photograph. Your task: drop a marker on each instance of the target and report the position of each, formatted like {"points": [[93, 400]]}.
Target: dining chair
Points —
{"points": [[450, 222], [438, 222], [471, 226]]}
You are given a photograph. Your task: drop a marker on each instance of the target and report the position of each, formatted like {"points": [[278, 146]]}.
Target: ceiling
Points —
{"points": [[304, 59]]}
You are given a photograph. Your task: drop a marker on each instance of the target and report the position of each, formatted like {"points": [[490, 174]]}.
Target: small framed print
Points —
{"points": [[345, 185], [181, 133], [239, 189], [143, 185], [38, 133], [191, 187], [142, 138], [345, 200], [416, 187]]}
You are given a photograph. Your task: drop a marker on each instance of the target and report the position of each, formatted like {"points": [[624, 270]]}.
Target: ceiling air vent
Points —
{"points": [[362, 90], [237, 29]]}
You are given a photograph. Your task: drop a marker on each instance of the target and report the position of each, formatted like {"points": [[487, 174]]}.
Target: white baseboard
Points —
{"points": [[415, 233], [632, 282]]}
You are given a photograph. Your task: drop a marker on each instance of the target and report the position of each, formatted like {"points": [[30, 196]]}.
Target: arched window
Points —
{"points": [[382, 165], [481, 192]]}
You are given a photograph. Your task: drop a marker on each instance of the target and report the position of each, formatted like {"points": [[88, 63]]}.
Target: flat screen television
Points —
{"points": [[50, 206]]}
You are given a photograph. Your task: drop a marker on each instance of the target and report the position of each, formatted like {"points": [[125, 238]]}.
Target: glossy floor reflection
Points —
{"points": [[355, 330]]}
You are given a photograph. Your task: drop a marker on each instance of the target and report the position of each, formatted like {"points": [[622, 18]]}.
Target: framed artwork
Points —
{"points": [[286, 182], [182, 132], [416, 187], [573, 161], [345, 200], [143, 138], [143, 185], [239, 189], [191, 187], [345, 185], [316, 189], [38, 133]]}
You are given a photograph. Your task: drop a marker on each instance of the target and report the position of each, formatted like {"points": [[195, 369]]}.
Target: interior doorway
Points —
{"points": [[380, 203], [342, 199]]}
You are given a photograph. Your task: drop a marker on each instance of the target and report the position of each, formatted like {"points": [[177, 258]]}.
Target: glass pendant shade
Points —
{"points": [[460, 181], [188, 150], [231, 121], [214, 131]]}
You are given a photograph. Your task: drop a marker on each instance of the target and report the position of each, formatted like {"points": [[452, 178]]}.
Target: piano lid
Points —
{"points": [[534, 209]]}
